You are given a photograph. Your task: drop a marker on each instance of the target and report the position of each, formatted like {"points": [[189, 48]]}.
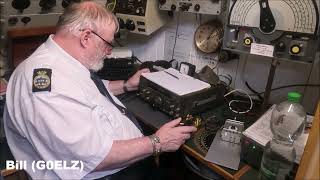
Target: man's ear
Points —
{"points": [[84, 38]]}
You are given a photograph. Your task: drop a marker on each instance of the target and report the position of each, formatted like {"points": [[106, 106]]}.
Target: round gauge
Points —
{"points": [[110, 5], [208, 37]]}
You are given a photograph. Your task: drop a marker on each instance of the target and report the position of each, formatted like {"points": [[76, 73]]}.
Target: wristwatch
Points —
{"points": [[155, 140]]}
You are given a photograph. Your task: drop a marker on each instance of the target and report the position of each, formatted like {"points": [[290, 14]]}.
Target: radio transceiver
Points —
{"points": [[178, 94]]}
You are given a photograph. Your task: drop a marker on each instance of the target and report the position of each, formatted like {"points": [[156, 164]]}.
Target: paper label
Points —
{"points": [[262, 49]]}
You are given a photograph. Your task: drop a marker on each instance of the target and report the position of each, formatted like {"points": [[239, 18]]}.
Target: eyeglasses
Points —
{"points": [[105, 41], [110, 45]]}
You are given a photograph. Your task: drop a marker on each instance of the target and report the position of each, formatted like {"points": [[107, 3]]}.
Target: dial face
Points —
{"points": [[208, 37], [293, 16], [184, 69]]}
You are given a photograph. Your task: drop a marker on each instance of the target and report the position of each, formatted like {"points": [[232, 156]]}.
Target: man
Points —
{"points": [[57, 110]]}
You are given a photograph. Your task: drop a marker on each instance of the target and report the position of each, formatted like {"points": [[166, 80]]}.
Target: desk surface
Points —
{"points": [[155, 119]]}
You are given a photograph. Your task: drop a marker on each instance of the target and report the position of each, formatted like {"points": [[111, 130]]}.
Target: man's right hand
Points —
{"points": [[172, 136]]}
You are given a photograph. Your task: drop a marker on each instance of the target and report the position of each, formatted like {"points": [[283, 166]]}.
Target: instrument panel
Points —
{"points": [[131, 7], [212, 7], [291, 27], [138, 16], [33, 13]]}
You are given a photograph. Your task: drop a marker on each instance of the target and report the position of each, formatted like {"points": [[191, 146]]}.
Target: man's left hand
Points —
{"points": [[133, 82]]}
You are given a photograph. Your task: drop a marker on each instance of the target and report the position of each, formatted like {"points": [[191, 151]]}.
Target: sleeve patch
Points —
{"points": [[41, 80]]}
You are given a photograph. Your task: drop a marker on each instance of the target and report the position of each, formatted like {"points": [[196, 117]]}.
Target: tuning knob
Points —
{"points": [[47, 4], [197, 7], [20, 4], [247, 41], [130, 25], [131, 9], [158, 101], [66, 3], [280, 46], [185, 7], [173, 7], [140, 11], [26, 20], [295, 49], [162, 2]]}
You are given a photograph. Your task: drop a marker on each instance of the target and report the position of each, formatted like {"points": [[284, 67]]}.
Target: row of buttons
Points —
{"points": [[160, 102]]}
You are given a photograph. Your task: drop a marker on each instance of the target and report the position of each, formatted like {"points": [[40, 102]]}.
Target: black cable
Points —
{"points": [[252, 90], [175, 39], [292, 85], [136, 59], [228, 78]]}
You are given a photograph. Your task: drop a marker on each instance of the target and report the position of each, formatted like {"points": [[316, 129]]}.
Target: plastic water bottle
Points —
{"points": [[287, 123]]}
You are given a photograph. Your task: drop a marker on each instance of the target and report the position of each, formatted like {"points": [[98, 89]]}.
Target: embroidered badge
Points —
{"points": [[41, 80]]}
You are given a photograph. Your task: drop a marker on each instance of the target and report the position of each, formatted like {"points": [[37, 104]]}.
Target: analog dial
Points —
{"points": [[208, 37]]}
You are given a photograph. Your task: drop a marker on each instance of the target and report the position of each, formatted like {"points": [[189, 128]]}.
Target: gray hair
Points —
{"points": [[86, 14]]}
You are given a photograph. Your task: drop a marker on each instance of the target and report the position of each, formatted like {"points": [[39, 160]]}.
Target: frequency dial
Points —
{"points": [[20, 4], [47, 4]]}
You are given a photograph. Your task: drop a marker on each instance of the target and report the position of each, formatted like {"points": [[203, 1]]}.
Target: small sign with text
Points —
{"points": [[262, 49], [45, 165]]}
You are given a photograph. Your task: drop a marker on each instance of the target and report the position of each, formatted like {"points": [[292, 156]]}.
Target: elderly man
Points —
{"points": [[58, 110]]}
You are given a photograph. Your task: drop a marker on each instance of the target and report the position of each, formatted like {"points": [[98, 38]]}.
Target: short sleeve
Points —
{"points": [[66, 127]]}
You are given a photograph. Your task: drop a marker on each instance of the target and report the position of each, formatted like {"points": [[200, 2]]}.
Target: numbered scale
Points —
{"points": [[291, 27]]}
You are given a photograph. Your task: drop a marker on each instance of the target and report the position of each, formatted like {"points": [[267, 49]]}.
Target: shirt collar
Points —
{"points": [[62, 55]]}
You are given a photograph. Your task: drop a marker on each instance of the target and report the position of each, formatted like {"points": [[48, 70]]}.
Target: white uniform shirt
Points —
{"points": [[73, 121]]}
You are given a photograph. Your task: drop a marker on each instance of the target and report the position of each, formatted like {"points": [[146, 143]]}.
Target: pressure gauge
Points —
{"points": [[208, 37]]}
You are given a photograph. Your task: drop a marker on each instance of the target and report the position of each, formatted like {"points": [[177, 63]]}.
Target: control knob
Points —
{"points": [[140, 11], [162, 2], [171, 106], [185, 6], [131, 9], [197, 7], [26, 20], [145, 94], [280, 46], [295, 49], [173, 7], [66, 3], [247, 41], [20, 4], [47, 4], [158, 101], [130, 25]]}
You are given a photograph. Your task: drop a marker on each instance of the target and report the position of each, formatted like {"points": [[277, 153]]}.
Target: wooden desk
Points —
{"points": [[155, 119]]}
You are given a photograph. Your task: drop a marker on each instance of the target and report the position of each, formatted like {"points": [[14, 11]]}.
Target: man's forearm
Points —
{"points": [[116, 87], [126, 152]]}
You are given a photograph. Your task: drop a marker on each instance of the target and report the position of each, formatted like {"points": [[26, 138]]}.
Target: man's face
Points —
{"points": [[103, 47], [98, 59]]}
